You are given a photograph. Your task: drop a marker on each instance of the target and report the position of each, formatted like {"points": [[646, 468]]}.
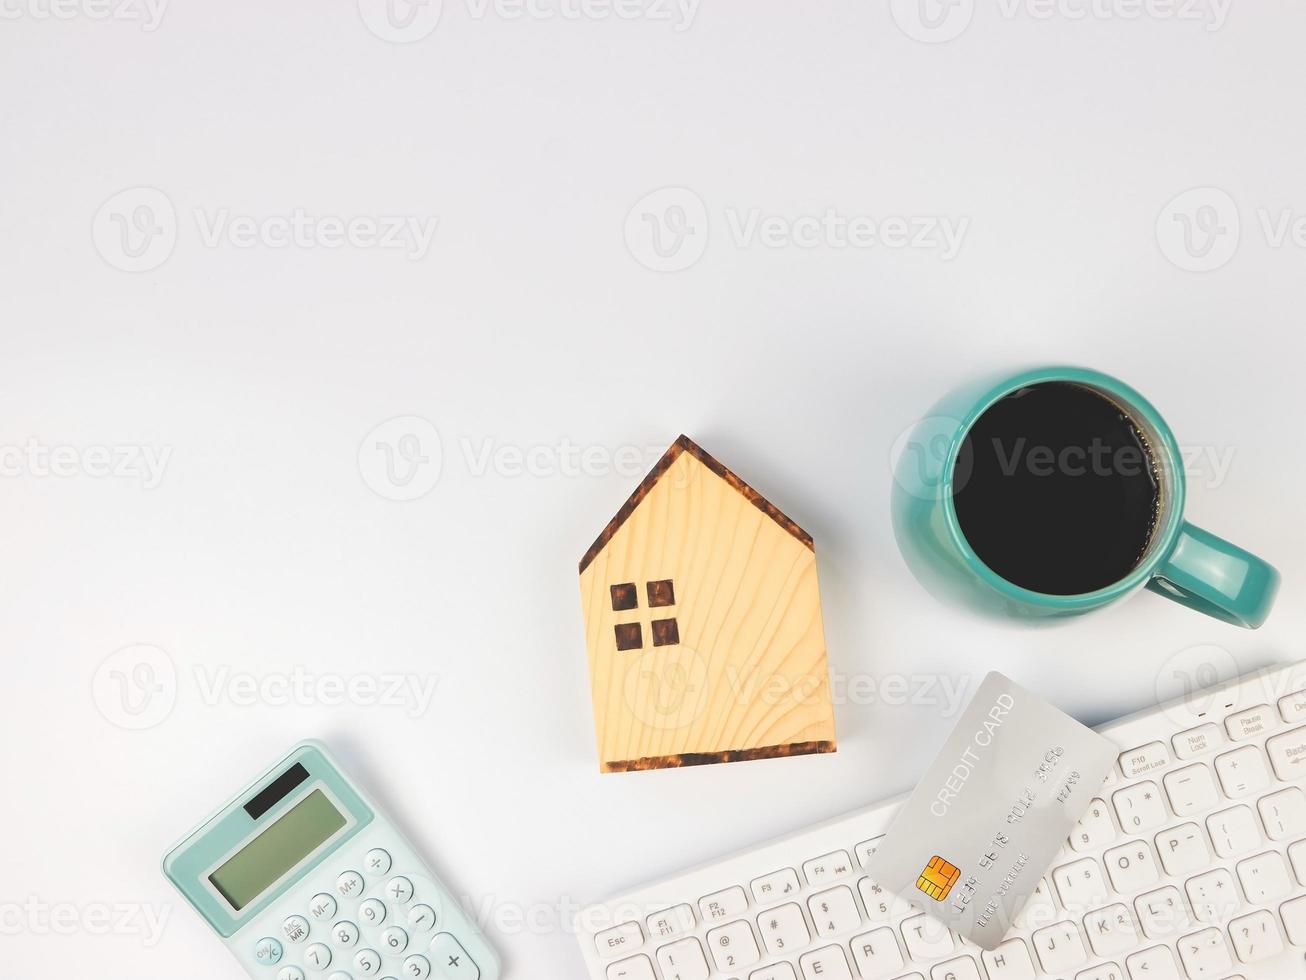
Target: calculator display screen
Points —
{"points": [[292, 837]]}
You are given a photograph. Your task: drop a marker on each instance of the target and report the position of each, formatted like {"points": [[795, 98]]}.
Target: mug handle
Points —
{"points": [[1215, 576]]}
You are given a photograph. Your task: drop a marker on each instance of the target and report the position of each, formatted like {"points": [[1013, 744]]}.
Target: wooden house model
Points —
{"points": [[703, 624]]}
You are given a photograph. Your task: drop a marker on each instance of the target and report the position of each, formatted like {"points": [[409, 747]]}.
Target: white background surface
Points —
{"points": [[530, 325]]}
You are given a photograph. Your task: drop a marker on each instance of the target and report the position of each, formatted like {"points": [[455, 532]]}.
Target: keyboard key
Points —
{"points": [[683, 960], [1256, 937], [733, 947], [776, 886], [1213, 896], [962, 968], [1205, 954], [1288, 755], [1059, 947], [1040, 910], [1297, 855], [834, 912], [1292, 707], [877, 954], [1234, 831], [619, 940], [880, 905], [1156, 963], [1132, 868], [1111, 930], [926, 939], [1293, 914], [1242, 772], [1010, 961], [1144, 759], [781, 971], [1264, 878], [635, 968], [1103, 971], [1198, 741], [671, 923], [728, 904], [1094, 829], [1191, 790], [1284, 814], [1251, 722], [1139, 807], [866, 850], [784, 929], [1183, 849], [1161, 913], [1080, 885], [828, 867], [825, 964]]}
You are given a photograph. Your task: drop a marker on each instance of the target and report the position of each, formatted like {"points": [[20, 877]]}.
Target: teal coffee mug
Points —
{"points": [[1054, 492]]}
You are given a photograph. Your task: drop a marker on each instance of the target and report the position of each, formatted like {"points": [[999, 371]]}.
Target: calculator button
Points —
{"points": [[421, 918], [368, 962], [394, 940], [417, 968], [399, 889], [349, 884], [290, 973], [340, 975], [317, 956], [295, 928], [344, 933], [267, 951], [377, 861], [372, 912], [451, 960], [322, 907]]}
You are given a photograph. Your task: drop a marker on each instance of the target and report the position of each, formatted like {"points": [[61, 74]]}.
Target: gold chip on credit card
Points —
{"points": [[938, 878]]}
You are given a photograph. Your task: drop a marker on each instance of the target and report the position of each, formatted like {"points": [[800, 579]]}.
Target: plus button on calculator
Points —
{"points": [[303, 878]]}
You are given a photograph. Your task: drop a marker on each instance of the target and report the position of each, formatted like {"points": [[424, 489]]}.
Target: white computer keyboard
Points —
{"points": [[1191, 863]]}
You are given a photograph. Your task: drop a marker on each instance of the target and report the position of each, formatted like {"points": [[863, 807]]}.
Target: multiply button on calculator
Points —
{"points": [[303, 878]]}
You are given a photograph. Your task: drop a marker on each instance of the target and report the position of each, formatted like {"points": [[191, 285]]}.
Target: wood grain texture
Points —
{"points": [[745, 674]]}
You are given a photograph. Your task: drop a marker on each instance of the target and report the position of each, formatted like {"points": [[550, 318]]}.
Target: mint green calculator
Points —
{"points": [[303, 878]]}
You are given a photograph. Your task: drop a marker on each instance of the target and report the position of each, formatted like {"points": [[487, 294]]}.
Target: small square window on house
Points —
{"points": [[661, 593], [625, 596], [629, 636]]}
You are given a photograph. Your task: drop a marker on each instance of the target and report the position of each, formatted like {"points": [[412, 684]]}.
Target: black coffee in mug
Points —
{"points": [[1057, 490]]}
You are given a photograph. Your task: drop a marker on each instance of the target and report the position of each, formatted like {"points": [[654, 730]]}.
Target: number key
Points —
{"points": [[317, 956], [1139, 807], [784, 929], [733, 946], [344, 933], [834, 911], [394, 940], [372, 911], [367, 962], [417, 967]]}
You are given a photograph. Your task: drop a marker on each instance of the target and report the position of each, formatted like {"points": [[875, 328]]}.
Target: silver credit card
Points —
{"points": [[980, 830]]}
